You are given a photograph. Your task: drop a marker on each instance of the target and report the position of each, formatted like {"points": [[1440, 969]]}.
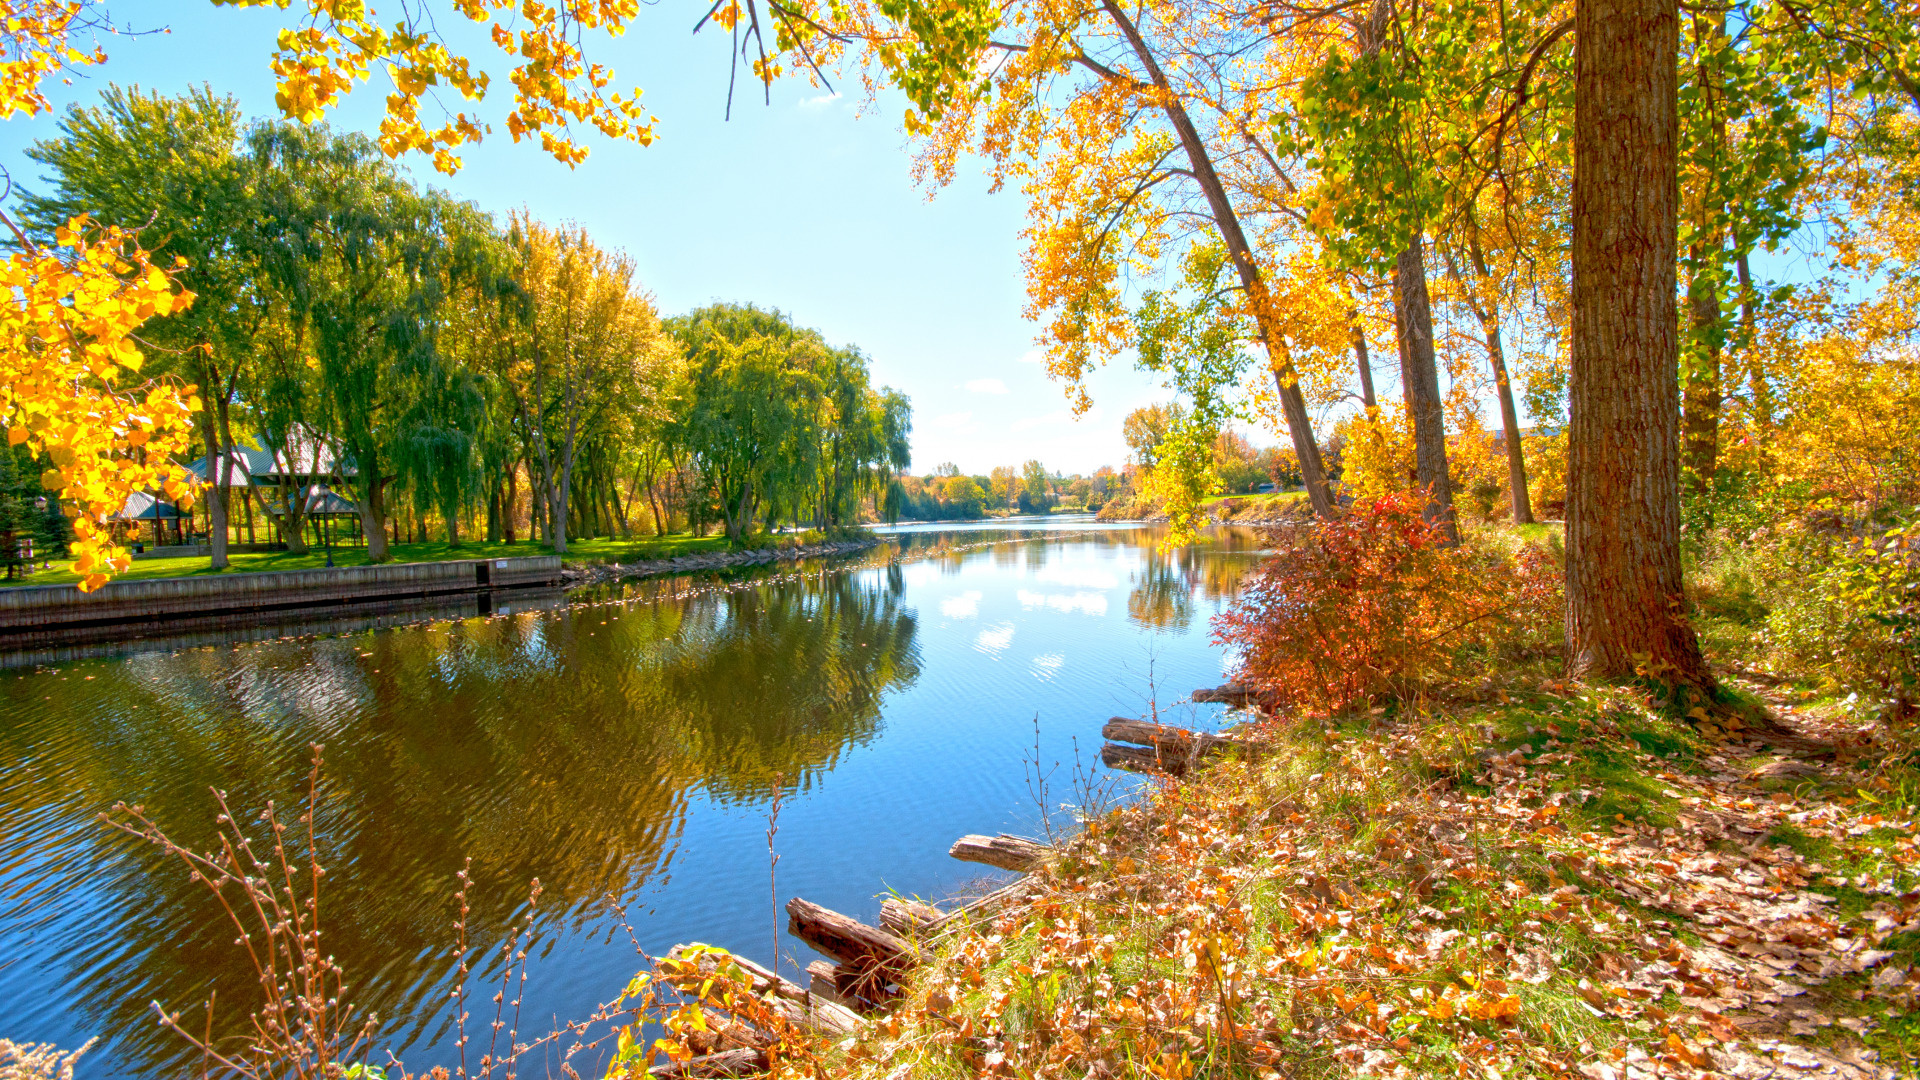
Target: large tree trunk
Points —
{"points": [[373, 518], [1420, 379], [1286, 378], [1624, 592]]}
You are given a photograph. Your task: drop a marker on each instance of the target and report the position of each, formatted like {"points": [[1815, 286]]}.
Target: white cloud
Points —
{"points": [[1033, 356], [820, 102], [1047, 665], [959, 421], [964, 606], [1090, 603], [986, 386], [993, 642]]}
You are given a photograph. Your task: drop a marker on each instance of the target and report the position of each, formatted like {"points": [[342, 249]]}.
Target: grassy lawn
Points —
{"points": [[601, 549]]}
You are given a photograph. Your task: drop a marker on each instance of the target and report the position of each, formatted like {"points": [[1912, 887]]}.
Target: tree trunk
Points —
{"points": [[1489, 316], [1510, 420], [373, 518], [1624, 592], [1364, 362], [1286, 378], [511, 526], [217, 485], [1420, 379]]}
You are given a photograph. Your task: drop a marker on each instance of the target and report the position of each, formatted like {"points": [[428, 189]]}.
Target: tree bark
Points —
{"points": [[1286, 378], [373, 518], [1364, 362], [848, 941], [1624, 592], [1420, 379]]}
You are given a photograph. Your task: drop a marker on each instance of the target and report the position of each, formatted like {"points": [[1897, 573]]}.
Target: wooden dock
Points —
{"points": [[63, 615]]}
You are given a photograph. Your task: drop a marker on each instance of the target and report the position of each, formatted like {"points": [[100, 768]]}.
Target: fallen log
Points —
{"points": [[1233, 695], [849, 941], [1016, 853], [867, 992], [908, 918], [1141, 759], [989, 904], [793, 1002], [740, 1062], [1171, 741]]}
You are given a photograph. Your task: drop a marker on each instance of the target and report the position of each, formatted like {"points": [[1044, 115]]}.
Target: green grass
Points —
{"points": [[597, 550]]}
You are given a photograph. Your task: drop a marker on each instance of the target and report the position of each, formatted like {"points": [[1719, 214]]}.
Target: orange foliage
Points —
{"points": [[1376, 605]]}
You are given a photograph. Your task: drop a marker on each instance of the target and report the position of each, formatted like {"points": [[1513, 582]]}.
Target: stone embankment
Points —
{"points": [[603, 573]]}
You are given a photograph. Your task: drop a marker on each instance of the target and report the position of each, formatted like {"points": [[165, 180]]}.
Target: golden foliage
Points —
{"points": [[66, 343]]}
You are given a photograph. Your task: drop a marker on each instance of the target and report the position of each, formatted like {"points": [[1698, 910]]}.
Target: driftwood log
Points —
{"points": [[793, 1002], [1232, 695], [909, 918], [739, 1062], [863, 992], [848, 941], [1161, 748], [1016, 853]]}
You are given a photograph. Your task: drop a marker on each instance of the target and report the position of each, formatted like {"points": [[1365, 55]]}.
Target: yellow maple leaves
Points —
{"points": [[66, 341], [340, 42]]}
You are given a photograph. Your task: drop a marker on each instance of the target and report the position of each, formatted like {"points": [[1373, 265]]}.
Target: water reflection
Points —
{"points": [[557, 748], [625, 744]]}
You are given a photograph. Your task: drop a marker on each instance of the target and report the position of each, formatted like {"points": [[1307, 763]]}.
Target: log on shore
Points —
{"points": [[1232, 695], [863, 992], [909, 918], [1171, 741], [849, 941], [1016, 853], [793, 1002], [740, 1062], [1141, 759]]}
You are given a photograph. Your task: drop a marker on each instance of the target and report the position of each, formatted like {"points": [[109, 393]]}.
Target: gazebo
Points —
{"points": [[145, 506]]}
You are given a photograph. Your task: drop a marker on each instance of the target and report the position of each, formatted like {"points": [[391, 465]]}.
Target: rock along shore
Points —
{"points": [[602, 573]]}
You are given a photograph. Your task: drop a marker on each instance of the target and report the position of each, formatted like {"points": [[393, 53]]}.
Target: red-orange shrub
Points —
{"points": [[1375, 605]]}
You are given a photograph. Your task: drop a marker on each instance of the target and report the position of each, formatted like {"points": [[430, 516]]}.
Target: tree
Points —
{"points": [[167, 167], [1146, 428], [1625, 608], [1035, 493]]}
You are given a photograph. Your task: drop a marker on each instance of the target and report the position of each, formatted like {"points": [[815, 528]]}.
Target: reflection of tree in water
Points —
{"points": [[1165, 588], [558, 747]]}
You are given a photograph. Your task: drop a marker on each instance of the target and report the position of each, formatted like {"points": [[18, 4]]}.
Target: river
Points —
{"points": [[624, 744]]}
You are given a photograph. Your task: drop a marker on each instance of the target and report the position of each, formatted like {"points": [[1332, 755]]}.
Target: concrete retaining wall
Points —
{"points": [[122, 609]]}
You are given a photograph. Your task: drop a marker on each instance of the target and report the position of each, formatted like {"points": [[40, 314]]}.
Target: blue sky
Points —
{"points": [[807, 205]]}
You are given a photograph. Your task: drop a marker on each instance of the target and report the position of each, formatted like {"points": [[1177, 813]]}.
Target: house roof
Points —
{"points": [[145, 506]]}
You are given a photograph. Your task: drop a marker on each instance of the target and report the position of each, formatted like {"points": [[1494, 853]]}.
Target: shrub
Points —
{"points": [[1846, 609], [1375, 606]]}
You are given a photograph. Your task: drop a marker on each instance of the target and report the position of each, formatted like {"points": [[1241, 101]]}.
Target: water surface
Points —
{"points": [[623, 745]]}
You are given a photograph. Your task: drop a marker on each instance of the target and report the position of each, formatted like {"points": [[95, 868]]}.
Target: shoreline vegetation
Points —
{"points": [[1415, 854], [1474, 867]]}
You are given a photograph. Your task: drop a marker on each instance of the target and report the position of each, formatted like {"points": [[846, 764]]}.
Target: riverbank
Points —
{"points": [[1560, 880], [602, 573], [607, 549]]}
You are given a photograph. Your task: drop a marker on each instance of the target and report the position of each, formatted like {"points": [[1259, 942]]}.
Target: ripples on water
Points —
{"points": [[622, 744]]}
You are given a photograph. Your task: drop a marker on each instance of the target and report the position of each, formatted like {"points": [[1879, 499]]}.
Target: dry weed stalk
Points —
{"points": [[306, 1028]]}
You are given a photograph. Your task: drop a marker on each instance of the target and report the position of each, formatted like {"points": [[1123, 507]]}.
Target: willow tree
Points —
{"points": [[166, 167]]}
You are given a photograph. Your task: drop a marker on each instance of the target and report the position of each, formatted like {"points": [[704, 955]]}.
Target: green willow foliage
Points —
{"points": [[435, 359], [782, 426]]}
